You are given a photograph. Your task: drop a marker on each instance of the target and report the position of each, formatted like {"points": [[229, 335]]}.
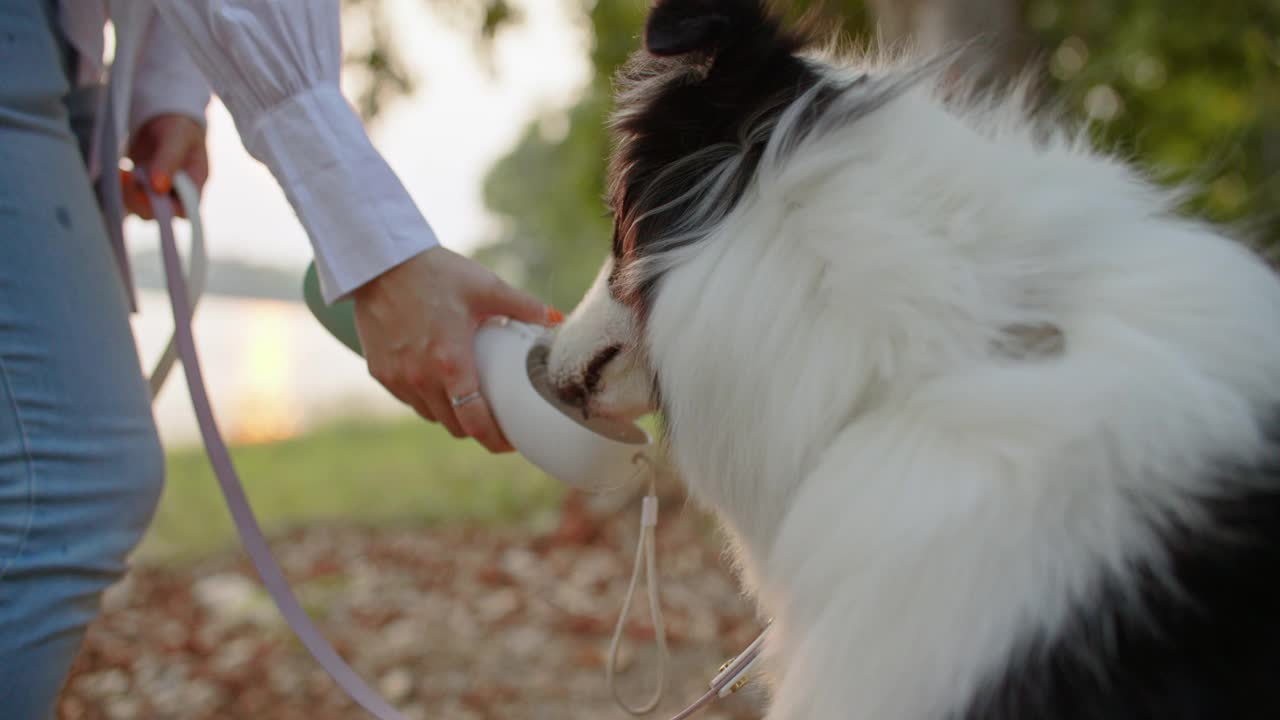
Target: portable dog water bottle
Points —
{"points": [[587, 453]]}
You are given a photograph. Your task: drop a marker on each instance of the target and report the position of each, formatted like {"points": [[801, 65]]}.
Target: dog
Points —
{"points": [[993, 429]]}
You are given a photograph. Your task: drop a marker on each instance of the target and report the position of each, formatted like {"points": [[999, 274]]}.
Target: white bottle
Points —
{"points": [[596, 454]]}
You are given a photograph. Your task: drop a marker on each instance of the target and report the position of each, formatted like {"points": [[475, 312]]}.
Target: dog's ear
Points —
{"points": [[677, 27]]}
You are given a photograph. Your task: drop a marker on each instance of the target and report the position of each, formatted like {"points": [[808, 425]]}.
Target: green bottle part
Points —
{"points": [[339, 319]]}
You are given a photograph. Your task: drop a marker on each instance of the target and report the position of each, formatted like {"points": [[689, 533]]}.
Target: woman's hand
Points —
{"points": [[162, 146], [417, 325]]}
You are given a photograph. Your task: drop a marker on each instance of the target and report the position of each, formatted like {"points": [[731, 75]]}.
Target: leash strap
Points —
{"points": [[109, 192], [197, 276], [251, 536]]}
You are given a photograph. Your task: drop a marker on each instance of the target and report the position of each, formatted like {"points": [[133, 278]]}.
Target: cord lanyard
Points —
{"points": [[646, 559]]}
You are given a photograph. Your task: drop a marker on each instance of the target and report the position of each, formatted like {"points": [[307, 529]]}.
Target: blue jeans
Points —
{"points": [[80, 463]]}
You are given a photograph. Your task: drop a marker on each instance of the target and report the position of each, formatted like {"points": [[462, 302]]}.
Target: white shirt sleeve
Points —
{"points": [[276, 66], [166, 81]]}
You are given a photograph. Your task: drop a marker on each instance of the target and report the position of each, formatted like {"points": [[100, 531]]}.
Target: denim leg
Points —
{"points": [[80, 463]]}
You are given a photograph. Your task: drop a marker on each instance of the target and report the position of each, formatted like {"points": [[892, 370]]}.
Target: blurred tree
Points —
{"points": [[1189, 89], [995, 30], [549, 190], [374, 59]]}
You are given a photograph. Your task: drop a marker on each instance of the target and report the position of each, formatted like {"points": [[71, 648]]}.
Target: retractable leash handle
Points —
{"points": [[251, 536]]}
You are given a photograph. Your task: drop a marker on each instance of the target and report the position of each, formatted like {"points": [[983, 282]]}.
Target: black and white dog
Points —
{"points": [[994, 430]]}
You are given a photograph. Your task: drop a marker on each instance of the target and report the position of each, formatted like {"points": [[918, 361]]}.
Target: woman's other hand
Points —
{"points": [[417, 324], [162, 146]]}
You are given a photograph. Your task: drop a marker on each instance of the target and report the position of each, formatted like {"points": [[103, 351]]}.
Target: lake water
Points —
{"points": [[271, 369]]}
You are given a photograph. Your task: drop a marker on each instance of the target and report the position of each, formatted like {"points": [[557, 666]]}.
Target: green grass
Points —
{"points": [[359, 473]]}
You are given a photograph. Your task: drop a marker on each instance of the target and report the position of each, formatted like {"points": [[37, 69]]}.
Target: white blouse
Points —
{"points": [[276, 66]]}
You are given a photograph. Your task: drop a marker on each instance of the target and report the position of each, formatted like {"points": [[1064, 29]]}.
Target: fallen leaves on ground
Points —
{"points": [[452, 623]]}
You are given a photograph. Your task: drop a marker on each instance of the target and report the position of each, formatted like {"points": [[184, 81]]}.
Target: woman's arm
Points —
{"points": [[166, 81], [276, 65]]}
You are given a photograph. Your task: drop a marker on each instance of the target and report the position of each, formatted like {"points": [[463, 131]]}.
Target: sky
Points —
{"points": [[441, 141]]}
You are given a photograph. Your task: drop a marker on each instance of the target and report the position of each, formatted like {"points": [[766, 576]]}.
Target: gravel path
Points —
{"points": [[449, 623]]}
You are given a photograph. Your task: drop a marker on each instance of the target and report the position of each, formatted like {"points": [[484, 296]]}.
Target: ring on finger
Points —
{"points": [[459, 401]]}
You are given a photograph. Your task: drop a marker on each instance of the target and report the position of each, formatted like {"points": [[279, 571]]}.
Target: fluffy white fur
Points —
{"points": [[908, 500]]}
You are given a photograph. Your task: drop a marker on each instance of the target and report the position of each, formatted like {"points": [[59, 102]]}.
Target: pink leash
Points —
{"points": [[727, 681], [247, 525]]}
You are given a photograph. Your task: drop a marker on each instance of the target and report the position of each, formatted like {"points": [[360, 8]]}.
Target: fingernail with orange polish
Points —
{"points": [[554, 316], [161, 183]]}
